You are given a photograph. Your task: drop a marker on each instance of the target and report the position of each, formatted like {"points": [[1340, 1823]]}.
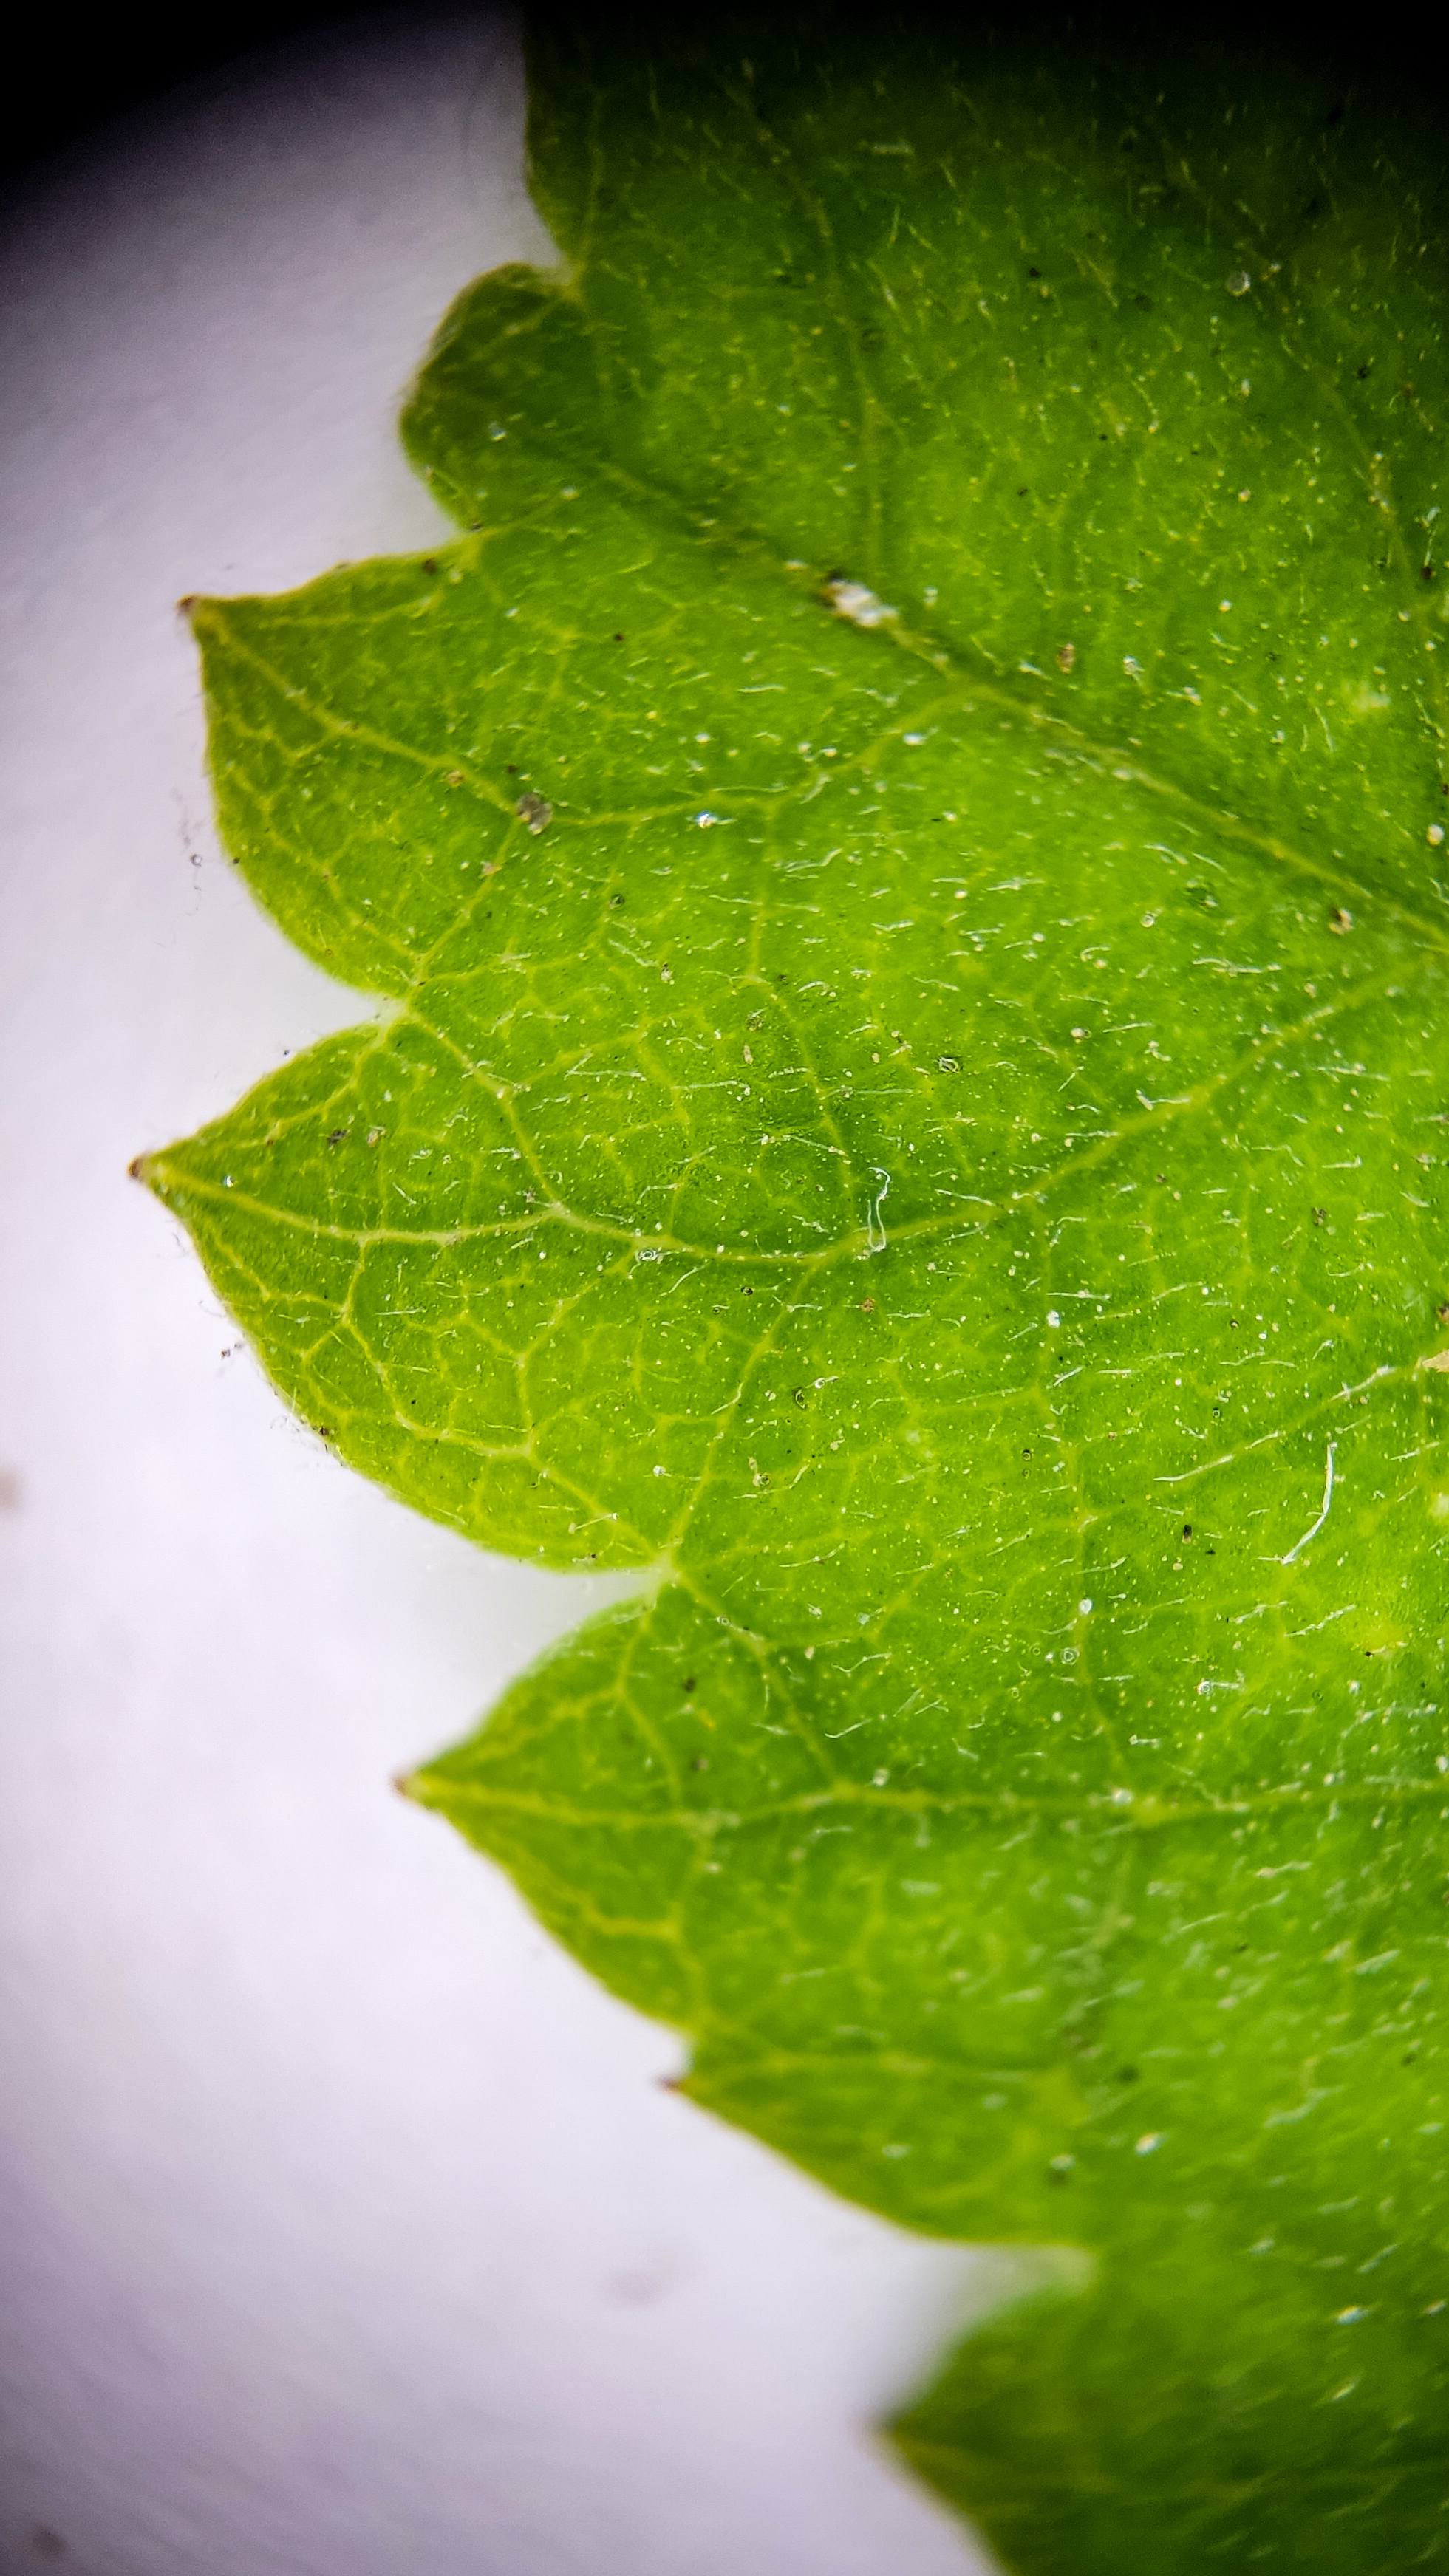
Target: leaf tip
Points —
{"points": [[193, 606], [150, 1170]]}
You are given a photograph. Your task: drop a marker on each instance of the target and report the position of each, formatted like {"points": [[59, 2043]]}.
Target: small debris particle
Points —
{"points": [[949, 1064], [1079, 1034], [454, 778], [337, 1135], [1435, 834], [1340, 921], [1320, 1216], [1442, 1313], [1437, 1360], [852, 599], [867, 1305], [1148, 2145], [375, 1135], [1066, 656], [1239, 282], [535, 811]]}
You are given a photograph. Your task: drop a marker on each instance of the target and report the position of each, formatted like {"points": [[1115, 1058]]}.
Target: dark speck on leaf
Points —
{"points": [[689, 1683], [618, 639], [1320, 1216], [1187, 1529], [1033, 272], [337, 1136]]}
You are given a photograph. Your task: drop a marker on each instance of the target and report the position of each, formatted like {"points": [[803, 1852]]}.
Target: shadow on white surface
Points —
{"points": [[345, 2226]]}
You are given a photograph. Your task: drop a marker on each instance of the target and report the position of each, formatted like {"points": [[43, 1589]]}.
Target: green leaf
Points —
{"points": [[901, 856]]}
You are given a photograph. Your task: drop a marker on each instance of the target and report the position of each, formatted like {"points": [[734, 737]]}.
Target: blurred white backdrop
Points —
{"points": [[345, 2227]]}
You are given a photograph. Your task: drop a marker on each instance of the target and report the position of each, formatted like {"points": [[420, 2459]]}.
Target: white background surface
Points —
{"points": [[344, 2224]]}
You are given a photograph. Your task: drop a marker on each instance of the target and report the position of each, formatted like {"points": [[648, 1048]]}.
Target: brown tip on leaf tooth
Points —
{"points": [[136, 1169]]}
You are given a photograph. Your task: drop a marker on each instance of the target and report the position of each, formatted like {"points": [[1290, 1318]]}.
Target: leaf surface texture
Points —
{"points": [[901, 852]]}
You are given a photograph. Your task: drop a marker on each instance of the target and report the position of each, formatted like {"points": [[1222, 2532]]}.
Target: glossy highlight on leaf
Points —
{"points": [[900, 853]]}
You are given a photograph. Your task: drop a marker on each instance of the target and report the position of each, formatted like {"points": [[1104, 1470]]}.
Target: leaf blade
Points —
{"points": [[850, 1068]]}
